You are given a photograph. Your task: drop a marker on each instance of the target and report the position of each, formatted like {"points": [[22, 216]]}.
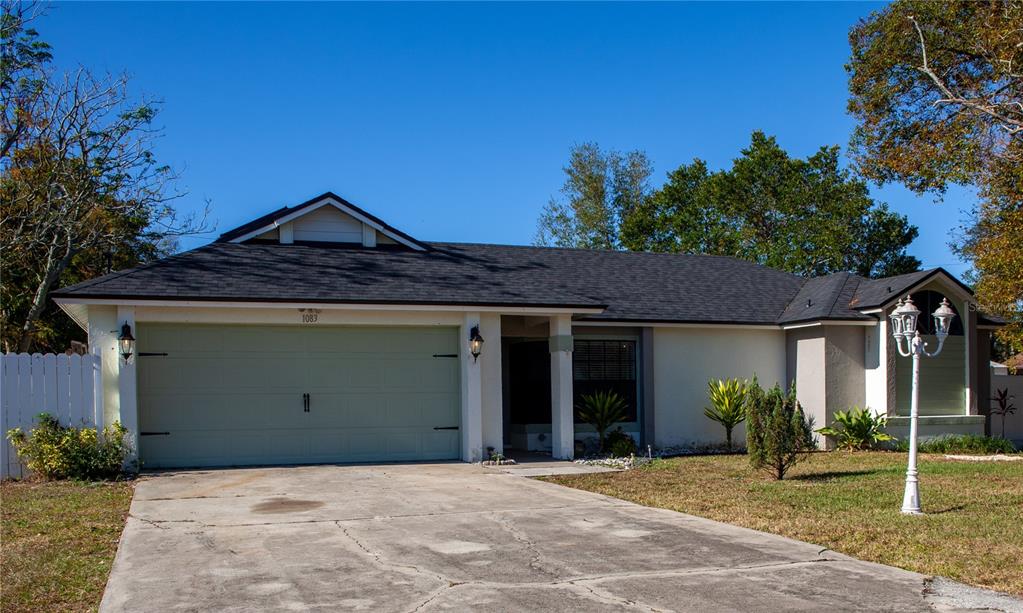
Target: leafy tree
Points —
{"points": [[809, 217], [937, 90], [23, 62], [601, 187], [778, 435], [81, 188]]}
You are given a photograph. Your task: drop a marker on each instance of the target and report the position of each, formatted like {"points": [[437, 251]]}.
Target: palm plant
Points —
{"points": [[728, 404], [602, 410], [1004, 406], [857, 429]]}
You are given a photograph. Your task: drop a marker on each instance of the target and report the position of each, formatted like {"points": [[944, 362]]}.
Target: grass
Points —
{"points": [[849, 502], [59, 540]]}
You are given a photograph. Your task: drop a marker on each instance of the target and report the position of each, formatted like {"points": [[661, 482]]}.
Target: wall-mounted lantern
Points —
{"points": [[127, 342], [475, 343]]}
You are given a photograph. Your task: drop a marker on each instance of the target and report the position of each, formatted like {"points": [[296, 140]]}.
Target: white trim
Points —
{"points": [[814, 324], [957, 291], [286, 233], [656, 324], [79, 313], [511, 309], [369, 236], [341, 207]]}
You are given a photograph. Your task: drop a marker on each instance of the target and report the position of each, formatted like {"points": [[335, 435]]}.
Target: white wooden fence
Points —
{"points": [[67, 387]]}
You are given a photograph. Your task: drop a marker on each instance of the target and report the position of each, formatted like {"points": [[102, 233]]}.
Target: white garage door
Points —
{"points": [[236, 395]]}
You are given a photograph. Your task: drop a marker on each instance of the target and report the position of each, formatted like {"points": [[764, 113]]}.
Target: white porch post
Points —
{"points": [[493, 399], [969, 318], [103, 342], [472, 393], [127, 387], [562, 418]]}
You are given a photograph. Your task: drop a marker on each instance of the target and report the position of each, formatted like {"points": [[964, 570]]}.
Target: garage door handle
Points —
{"points": [[445, 427], [305, 402]]}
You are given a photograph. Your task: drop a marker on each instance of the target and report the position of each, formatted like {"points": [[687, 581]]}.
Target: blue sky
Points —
{"points": [[452, 121]]}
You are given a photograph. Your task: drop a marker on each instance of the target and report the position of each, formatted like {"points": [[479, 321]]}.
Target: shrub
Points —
{"points": [[1003, 406], [602, 410], [857, 429], [620, 445], [728, 404], [961, 443], [778, 435], [58, 452]]}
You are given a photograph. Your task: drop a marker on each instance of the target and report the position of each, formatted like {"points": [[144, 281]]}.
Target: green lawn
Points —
{"points": [[59, 540], [849, 502]]}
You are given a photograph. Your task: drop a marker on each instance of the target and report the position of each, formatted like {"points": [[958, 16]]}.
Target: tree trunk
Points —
{"points": [[54, 268]]}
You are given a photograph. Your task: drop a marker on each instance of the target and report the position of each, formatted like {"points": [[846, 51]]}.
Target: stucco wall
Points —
{"points": [[685, 359], [827, 364], [1013, 423], [805, 366], [846, 376]]}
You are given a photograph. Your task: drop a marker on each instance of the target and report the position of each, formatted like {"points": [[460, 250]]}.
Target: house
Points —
{"points": [[320, 333]]}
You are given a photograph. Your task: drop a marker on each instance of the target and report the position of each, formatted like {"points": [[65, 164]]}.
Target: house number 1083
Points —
{"points": [[310, 316]]}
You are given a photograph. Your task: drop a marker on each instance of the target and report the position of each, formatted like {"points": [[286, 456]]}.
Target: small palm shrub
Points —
{"points": [[602, 410], [778, 435], [857, 429], [620, 444], [1003, 406], [961, 443], [54, 451], [728, 404]]}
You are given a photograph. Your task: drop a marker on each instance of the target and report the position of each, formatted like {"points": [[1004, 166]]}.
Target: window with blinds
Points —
{"points": [[606, 365]]}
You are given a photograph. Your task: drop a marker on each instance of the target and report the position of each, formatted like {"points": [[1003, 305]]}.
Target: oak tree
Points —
{"points": [[937, 91]]}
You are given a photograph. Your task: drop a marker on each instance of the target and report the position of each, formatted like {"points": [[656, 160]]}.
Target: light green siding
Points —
{"points": [[942, 379]]}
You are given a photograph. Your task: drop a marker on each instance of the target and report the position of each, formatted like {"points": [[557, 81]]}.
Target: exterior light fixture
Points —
{"points": [[475, 343], [126, 342], [943, 317], [904, 319]]}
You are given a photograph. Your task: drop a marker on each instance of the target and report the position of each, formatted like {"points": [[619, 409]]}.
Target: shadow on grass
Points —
{"points": [[959, 507], [835, 474]]}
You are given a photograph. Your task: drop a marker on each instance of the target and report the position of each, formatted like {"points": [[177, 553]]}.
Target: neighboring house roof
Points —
{"points": [[622, 286]]}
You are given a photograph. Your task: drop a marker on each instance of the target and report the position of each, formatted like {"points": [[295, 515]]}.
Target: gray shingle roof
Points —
{"points": [[629, 286]]}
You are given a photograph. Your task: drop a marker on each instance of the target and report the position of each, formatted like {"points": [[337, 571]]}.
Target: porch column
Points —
{"points": [[103, 342], [493, 399], [562, 418], [969, 315], [472, 393], [126, 383]]}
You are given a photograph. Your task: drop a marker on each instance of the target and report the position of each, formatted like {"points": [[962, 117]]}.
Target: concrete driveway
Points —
{"points": [[454, 537]]}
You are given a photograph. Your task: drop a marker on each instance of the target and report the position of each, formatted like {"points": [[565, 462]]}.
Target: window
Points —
{"points": [[606, 365], [928, 302]]}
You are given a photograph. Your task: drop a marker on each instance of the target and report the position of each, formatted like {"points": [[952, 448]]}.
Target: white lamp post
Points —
{"points": [[903, 320]]}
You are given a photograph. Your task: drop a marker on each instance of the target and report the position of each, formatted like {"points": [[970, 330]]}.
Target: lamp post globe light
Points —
{"points": [[904, 320]]}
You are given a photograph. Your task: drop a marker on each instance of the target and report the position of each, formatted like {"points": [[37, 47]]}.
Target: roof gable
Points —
{"points": [[326, 218]]}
